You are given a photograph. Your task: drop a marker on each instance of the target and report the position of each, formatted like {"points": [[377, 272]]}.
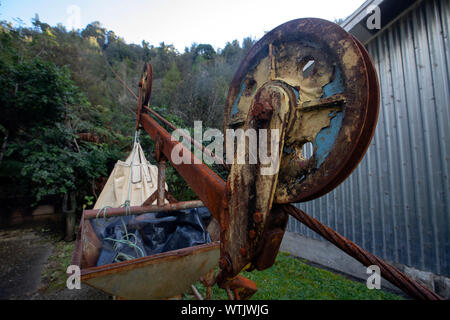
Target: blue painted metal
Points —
{"points": [[235, 109], [327, 137], [336, 86]]}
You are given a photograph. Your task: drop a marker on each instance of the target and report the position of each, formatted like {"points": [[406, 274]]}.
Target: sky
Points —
{"points": [[177, 22]]}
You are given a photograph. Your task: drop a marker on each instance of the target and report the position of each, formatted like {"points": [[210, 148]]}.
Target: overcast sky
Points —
{"points": [[177, 22]]}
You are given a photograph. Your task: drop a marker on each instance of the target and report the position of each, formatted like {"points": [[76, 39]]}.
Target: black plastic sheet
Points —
{"points": [[150, 233]]}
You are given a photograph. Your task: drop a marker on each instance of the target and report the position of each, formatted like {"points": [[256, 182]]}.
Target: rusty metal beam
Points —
{"points": [[114, 212], [161, 182], [393, 275], [206, 184], [197, 144]]}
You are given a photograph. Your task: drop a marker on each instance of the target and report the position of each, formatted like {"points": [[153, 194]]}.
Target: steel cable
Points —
{"points": [[390, 273]]}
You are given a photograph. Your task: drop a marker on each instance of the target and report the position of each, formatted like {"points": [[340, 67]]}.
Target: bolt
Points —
{"points": [[243, 252], [279, 220], [252, 234], [257, 217]]}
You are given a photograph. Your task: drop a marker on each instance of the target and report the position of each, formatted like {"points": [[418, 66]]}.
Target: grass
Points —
{"points": [[292, 279], [54, 276]]}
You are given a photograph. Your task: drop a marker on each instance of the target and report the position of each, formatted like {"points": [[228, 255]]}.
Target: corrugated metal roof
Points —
{"points": [[390, 11], [360, 14]]}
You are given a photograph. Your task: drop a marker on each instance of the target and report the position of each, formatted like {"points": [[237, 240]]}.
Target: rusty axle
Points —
{"points": [[115, 212]]}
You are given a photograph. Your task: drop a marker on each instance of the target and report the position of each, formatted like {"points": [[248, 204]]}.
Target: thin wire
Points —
{"points": [[120, 79], [167, 122], [135, 145]]}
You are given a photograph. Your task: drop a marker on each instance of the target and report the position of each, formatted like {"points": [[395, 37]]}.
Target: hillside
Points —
{"points": [[66, 119]]}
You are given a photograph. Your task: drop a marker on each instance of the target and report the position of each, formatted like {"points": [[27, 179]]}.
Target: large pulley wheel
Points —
{"points": [[336, 92]]}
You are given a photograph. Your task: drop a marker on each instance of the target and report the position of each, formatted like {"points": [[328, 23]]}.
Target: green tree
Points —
{"points": [[170, 83], [42, 154], [206, 51], [57, 84]]}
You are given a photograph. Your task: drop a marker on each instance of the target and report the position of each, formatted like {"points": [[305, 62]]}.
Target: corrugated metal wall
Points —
{"points": [[396, 204]]}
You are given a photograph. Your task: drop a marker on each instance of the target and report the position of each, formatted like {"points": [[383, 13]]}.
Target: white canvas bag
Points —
{"points": [[143, 181]]}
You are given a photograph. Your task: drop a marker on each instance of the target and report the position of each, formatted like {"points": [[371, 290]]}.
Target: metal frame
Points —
{"points": [[215, 194]]}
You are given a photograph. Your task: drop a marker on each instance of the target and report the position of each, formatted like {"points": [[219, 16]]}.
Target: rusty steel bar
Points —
{"points": [[161, 118], [393, 275], [169, 124], [211, 154], [161, 182], [114, 212], [206, 184], [197, 294]]}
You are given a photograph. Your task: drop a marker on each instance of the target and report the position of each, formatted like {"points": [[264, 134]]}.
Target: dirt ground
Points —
{"points": [[32, 262]]}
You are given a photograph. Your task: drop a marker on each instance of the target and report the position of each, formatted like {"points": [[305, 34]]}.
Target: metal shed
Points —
{"points": [[396, 204]]}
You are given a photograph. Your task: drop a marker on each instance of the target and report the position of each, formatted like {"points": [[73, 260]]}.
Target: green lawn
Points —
{"points": [[292, 279], [54, 274]]}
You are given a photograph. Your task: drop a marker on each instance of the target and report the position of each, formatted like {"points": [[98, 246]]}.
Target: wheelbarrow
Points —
{"points": [[159, 276]]}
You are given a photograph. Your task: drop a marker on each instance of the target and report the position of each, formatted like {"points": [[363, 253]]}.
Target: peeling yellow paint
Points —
{"points": [[350, 58]]}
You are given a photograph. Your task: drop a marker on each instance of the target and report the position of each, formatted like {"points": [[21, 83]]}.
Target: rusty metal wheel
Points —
{"points": [[336, 108]]}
